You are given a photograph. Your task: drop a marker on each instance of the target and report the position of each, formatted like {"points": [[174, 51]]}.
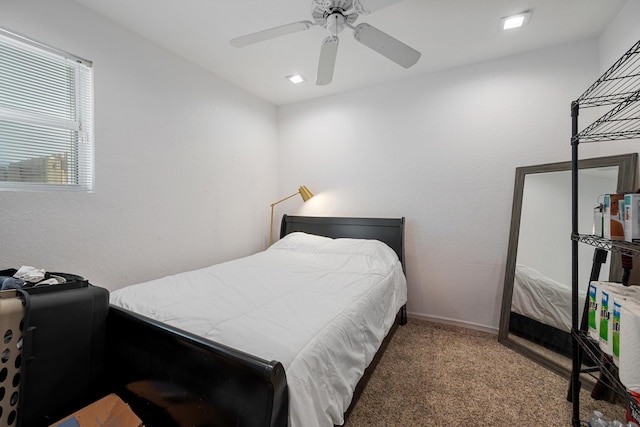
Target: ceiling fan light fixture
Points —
{"points": [[515, 21], [335, 23], [296, 78]]}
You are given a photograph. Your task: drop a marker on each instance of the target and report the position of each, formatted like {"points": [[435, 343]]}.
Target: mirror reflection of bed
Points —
{"points": [[536, 308]]}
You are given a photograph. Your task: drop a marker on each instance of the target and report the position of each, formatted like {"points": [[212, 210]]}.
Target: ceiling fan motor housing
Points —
{"points": [[321, 10]]}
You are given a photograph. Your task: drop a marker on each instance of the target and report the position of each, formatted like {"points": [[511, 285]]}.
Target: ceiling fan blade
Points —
{"points": [[328, 54], [386, 45], [365, 7], [271, 33]]}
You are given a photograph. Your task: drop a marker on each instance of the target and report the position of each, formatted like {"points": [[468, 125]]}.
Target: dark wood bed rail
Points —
{"points": [[168, 375]]}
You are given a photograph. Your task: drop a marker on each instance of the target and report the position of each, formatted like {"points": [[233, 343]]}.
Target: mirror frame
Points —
{"points": [[627, 171]]}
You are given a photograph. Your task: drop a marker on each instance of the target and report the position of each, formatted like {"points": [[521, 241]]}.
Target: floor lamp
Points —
{"points": [[304, 193]]}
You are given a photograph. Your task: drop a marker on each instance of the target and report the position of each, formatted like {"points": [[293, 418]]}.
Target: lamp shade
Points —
{"points": [[305, 193]]}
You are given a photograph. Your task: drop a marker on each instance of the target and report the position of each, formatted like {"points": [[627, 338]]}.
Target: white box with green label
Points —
{"points": [[632, 217]]}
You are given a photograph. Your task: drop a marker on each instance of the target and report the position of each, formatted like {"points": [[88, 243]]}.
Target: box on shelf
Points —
{"points": [[613, 226], [108, 411], [632, 217], [598, 219]]}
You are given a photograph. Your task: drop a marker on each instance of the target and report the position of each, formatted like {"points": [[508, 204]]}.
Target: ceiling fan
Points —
{"points": [[334, 15]]}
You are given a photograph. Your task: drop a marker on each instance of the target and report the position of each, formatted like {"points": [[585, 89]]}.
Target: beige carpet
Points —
{"points": [[437, 375]]}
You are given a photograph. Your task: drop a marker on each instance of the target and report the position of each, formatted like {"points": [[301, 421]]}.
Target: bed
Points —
{"points": [[541, 309], [316, 308]]}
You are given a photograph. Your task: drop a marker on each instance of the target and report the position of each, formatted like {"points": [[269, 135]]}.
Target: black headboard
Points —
{"points": [[387, 230]]}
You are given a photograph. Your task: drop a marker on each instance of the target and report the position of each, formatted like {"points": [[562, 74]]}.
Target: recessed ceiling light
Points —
{"points": [[296, 79], [515, 21]]}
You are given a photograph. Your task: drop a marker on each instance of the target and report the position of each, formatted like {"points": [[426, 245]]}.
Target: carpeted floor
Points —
{"points": [[436, 375]]}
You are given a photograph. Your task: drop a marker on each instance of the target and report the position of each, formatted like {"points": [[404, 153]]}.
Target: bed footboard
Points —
{"points": [[173, 378]]}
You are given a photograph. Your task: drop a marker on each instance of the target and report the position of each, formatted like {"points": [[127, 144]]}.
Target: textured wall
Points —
{"points": [[442, 150], [185, 162]]}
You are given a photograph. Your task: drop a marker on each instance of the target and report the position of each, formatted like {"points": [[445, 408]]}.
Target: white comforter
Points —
{"points": [[541, 298], [319, 306]]}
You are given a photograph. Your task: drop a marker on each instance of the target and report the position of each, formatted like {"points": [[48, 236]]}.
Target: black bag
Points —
{"points": [[72, 281]]}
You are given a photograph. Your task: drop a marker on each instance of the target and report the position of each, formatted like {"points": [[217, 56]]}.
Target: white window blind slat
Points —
{"points": [[27, 117], [46, 129], [43, 93]]}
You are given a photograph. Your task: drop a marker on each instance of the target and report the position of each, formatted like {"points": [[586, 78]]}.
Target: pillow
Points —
{"points": [[299, 241], [311, 243]]}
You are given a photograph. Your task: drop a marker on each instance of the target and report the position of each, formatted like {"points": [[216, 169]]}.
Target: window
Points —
{"points": [[46, 117]]}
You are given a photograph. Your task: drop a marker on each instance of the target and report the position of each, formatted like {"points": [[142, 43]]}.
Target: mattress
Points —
{"points": [[543, 299], [320, 306]]}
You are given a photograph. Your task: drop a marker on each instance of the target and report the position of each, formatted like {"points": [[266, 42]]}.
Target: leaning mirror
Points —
{"points": [[535, 317]]}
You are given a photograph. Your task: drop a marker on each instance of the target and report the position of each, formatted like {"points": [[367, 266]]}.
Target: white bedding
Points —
{"points": [[319, 306], [541, 298]]}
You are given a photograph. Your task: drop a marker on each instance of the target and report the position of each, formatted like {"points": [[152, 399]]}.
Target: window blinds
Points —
{"points": [[46, 117]]}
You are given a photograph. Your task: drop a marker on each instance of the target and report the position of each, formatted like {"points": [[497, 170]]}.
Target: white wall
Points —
{"points": [[185, 162], [622, 33], [442, 150]]}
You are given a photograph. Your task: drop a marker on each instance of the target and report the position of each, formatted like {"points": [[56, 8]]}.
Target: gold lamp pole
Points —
{"points": [[304, 193]]}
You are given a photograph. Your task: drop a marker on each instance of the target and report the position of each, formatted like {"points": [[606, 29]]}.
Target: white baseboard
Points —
{"points": [[453, 322]]}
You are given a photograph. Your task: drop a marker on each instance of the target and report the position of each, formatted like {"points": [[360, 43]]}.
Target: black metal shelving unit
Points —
{"points": [[617, 91]]}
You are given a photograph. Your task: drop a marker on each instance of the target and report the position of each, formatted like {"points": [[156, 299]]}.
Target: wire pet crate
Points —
{"points": [[11, 325]]}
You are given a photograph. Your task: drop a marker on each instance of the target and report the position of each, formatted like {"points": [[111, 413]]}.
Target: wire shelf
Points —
{"points": [[621, 122], [619, 246], [617, 84], [618, 87]]}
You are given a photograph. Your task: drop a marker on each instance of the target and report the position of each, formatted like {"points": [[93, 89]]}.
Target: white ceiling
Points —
{"points": [[448, 33]]}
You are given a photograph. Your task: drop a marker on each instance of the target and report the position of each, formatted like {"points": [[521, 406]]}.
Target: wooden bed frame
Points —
{"points": [[174, 378]]}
